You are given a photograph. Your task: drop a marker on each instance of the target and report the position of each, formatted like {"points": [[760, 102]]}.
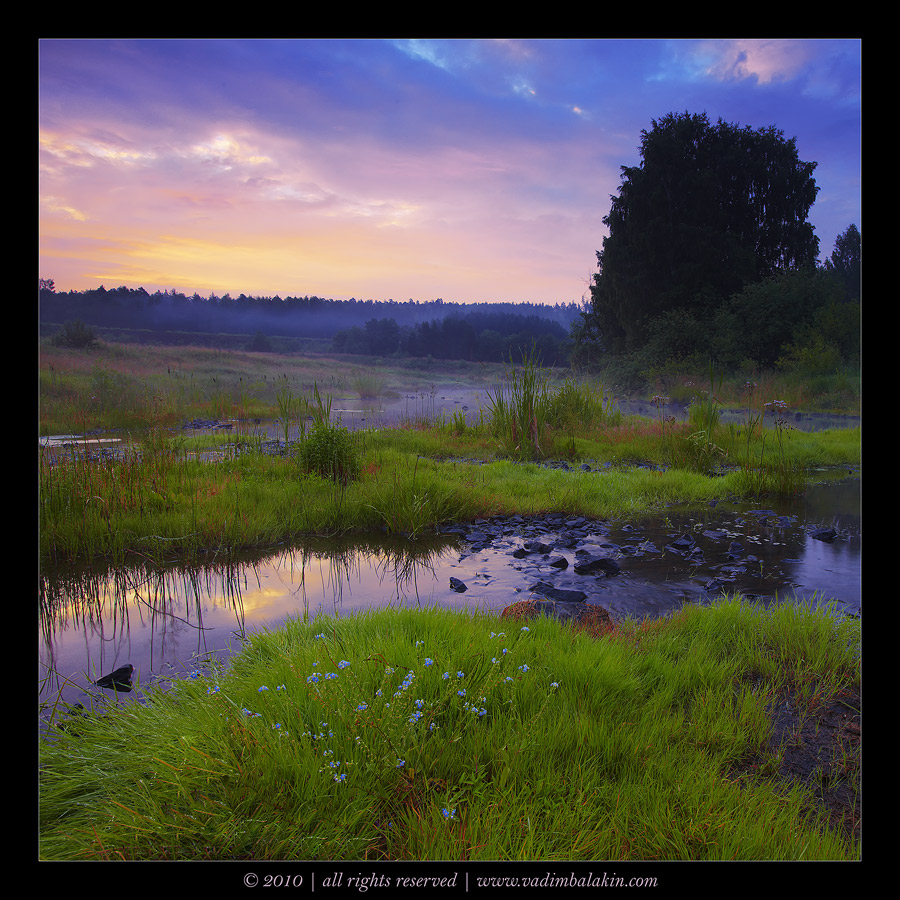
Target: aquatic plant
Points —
{"points": [[518, 408]]}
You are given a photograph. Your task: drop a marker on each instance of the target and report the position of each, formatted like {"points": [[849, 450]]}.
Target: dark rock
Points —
{"points": [[824, 534], [681, 545], [537, 547], [590, 565], [457, 585], [554, 593], [118, 680], [559, 562]]}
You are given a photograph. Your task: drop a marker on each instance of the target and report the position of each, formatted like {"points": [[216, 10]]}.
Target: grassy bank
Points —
{"points": [[426, 734]]}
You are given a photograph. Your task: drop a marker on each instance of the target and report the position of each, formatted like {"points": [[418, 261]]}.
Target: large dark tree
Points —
{"points": [[710, 209]]}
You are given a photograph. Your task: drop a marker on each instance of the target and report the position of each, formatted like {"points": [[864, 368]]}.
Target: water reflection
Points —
{"points": [[170, 621]]}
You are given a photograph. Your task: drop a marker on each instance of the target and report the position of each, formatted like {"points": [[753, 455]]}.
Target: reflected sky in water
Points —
{"points": [[170, 621]]}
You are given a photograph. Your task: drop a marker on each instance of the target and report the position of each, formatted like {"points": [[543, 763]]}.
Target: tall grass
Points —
{"points": [[423, 734]]}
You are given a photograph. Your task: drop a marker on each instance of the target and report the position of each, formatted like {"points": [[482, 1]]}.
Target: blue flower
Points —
{"points": [[213, 690], [523, 668], [448, 813], [461, 693], [343, 664], [460, 674], [420, 704], [362, 706], [313, 679], [428, 661], [341, 777], [263, 688], [330, 676], [554, 684], [525, 628], [401, 763], [281, 687], [445, 675]]}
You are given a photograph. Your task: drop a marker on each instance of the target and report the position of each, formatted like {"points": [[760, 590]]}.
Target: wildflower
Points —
{"points": [[415, 718], [313, 679], [330, 676], [523, 668], [263, 688], [525, 628], [319, 636], [341, 777], [420, 643], [460, 674], [195, 674], [389, 670], [213, 690], [494, 660], [554, 684], [343, 664], [401, 763], [428, 661], [448, 813], [420, 704], [362, 707], [461, 693], [445, 675], [281, 687], [379, 693]]}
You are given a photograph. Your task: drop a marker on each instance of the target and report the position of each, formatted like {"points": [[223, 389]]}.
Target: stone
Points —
{"points": [[118, 680], [554, 593], [591, 565]]}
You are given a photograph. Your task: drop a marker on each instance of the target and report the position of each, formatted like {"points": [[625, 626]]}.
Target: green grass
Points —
{"points": [[427, 734]]}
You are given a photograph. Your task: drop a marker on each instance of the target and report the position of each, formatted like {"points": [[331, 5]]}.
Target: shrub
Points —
{"points": [[74, 334], [331, 452]]}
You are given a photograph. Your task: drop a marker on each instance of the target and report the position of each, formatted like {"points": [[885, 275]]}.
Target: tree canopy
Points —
{"points": [[710, 209]]}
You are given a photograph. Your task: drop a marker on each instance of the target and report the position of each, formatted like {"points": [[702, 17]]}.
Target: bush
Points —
{"points": [[75, 334], [331, 452]]}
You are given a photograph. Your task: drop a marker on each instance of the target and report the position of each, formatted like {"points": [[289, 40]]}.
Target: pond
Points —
{"points": [[169, 622]]}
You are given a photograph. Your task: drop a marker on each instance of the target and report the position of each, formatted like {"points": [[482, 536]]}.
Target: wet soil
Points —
{"points": [[816, 745]]}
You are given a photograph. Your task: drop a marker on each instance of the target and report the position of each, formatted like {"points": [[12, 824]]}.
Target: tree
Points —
{"points": [[846, 262], [710, 209]]}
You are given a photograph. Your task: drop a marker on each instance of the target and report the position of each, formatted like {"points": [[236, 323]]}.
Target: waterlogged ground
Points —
{"points": [[168, 622]]}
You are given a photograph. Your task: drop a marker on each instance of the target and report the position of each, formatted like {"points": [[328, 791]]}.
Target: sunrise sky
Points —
{"points": [[471, 170]]}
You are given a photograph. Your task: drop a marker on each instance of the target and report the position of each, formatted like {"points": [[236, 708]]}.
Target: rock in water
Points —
{"points": [[119, 680], [457, 585]]}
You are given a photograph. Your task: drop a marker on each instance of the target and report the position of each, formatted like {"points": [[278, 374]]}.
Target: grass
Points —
{"points": [[633, 744], [162, 497], [426, 734]]}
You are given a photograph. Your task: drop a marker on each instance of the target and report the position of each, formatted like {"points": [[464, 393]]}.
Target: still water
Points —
{"points": [[168, 622]]}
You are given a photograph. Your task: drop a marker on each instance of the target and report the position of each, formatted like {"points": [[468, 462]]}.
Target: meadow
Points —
{"points": [[426, 734]]}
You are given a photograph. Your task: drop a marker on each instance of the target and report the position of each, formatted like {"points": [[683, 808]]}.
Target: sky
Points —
{"points": [[468, 170]]}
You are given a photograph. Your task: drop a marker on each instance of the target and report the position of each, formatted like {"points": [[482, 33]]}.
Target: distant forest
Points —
{"points": [[486, 332]]}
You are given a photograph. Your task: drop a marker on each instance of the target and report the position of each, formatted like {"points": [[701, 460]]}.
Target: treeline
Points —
{"points": [[478, 336], [288, 317]]}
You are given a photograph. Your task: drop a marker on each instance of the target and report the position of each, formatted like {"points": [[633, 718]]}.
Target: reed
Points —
{"points": [[412, 734]]}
